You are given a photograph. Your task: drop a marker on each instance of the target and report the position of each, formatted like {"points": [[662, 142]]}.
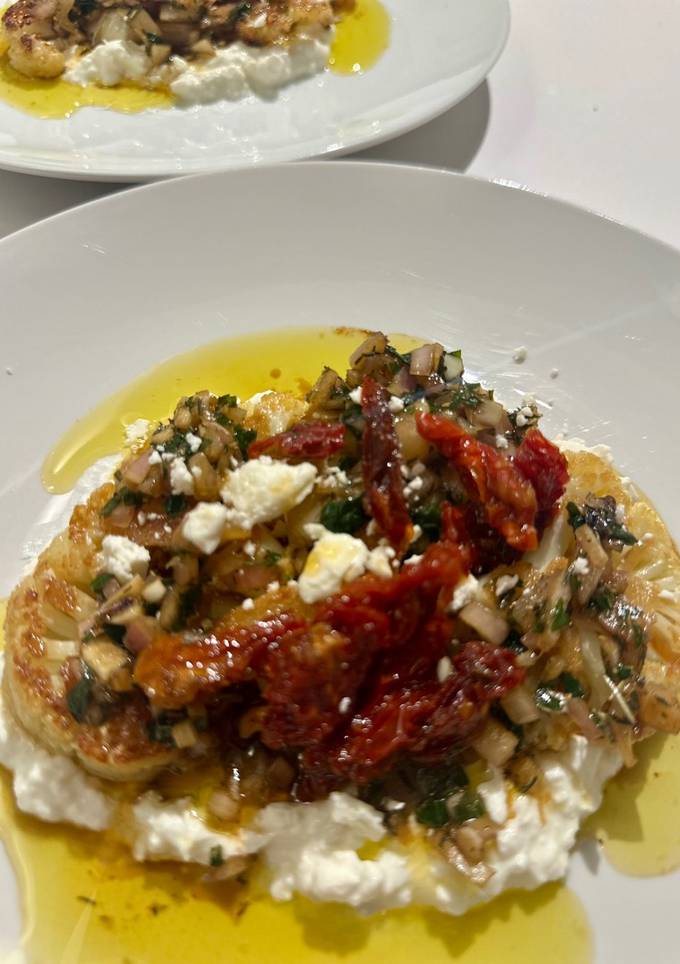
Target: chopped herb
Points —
{"points": [[153, 38], [560, 616], [622, 672], [570, 685], [600, 515], [80, 695], [177, 444], [244, 437], [271, 557], [513, 641], [112, 504], [227, 401], [438, 782], [549, 699], [576, 517], [399, 359], [174, 504], [239, 11], [346, 463], [352, 418], [123, 496], [115, 633], [82, 8], [160, 731], [98, 583], [429, 518], [187, 604], [602, 599], [216, 856], [343, 515], [433, 813], [469, 807]]}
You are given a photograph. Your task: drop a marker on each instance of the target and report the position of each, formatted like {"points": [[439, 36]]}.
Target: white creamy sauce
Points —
{"points": [[232, 73]]}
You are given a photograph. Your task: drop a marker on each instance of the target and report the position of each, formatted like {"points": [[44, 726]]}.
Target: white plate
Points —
{"points": [[437, 54], [95, 296]]}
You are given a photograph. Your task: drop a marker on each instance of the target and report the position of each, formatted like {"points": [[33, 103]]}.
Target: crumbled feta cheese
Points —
{"points": [[334, 478], [196, 471], [412, 560], [414, 486], [501, 442], [193, 441], [336, 557], [203, 526], [465, 592], [520, 354], [356, 395], [141, 518], [580, 566], [395, 404], [248, 604], [155, 457], [444, 669], [505, 584], [123, 558], [181, 479], [249, 548], [137, 430], [273, 586], [344, 704], [380, 561], [417, 533], [263, 489]]}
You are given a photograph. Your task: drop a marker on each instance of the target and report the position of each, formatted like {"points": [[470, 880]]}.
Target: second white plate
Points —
{"points": [[439, 51]]}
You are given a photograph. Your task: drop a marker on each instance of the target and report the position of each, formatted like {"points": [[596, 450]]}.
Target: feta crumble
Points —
{"points": [[181, 479], [263, 489], [464, 593], [137, 430], [505, 583], [123, 558], [203, 526]]}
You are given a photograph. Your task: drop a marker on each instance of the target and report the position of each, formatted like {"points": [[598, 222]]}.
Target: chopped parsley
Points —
{"points": [[469, 807], [570, 685], [576, 518], [123, 496], [433, 813], [216, 856], [79, 696], [343, 515], [174, 504], [98, 583], [227, 401], [560, 616], [429, 518], [244, 437]]}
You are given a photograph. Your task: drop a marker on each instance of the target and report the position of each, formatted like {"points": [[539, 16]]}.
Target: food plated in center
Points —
{"points": [[201, 52], [388, 613]]}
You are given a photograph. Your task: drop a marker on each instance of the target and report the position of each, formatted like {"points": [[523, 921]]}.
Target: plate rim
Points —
{"points": [[262, 170], [292, 153]]}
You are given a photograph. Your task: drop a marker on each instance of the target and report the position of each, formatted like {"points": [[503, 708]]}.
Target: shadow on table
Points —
{"points": [[27, 198], [450, 141]]}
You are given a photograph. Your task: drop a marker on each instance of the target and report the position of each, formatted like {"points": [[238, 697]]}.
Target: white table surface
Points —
{"points": [[584, 105]]}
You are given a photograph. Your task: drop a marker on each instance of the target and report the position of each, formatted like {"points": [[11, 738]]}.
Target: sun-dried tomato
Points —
{"points": [[306, 440], [546, 468], [174, 672], [508, 498], [381, 464], [428, 720], [307, 675]]}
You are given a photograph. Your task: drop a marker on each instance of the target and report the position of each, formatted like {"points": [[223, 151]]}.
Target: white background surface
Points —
{"points": [[583, 106]]}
